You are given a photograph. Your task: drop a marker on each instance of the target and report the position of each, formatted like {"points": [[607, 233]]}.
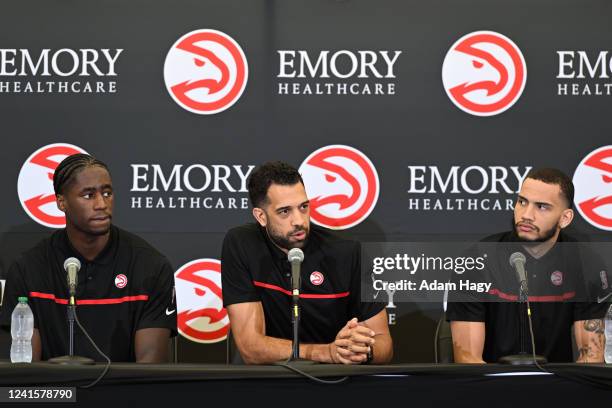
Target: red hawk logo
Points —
{"points": [[205, 71], [199, 301], [484, 73], [342, 185]]}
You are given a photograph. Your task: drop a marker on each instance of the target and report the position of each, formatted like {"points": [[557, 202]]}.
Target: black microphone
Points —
{"points": [[517, 261], [72, 267], [296, 257]]}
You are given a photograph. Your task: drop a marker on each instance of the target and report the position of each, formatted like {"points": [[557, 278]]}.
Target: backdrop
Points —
{"points": [[410, 120]]}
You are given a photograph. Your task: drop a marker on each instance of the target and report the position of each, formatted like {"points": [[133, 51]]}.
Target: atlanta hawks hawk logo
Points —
{"points": [[201, 316], [593, 184], [35, 183], [205, 71], [484, 73], [342, 185]]}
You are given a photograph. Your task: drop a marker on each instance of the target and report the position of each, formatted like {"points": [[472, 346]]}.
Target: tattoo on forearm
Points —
{"points": [[585, 353], [593, 350], [595, 325]]}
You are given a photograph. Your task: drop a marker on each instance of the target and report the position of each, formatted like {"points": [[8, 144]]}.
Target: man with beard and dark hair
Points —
{"points": [[484, 330], [125, 288], [335, 326]]}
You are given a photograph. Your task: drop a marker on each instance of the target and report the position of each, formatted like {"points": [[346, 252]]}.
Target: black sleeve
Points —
{"points": [[160, 309], [466, 312], [14, 288], [467, 305], [593, 269], [362, 305], [236, 281], [588, 311]]}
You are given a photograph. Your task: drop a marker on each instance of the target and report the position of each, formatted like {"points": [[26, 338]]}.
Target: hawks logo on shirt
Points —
{"points": [[317, 278], [342, 185], [121, 281], [556, 278], [201, 316]]}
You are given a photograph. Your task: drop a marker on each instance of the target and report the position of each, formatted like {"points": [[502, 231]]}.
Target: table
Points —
{"points": [[405, 385]]}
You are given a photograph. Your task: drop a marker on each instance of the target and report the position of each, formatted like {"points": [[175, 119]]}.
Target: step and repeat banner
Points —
{"points": [[409, 120]]}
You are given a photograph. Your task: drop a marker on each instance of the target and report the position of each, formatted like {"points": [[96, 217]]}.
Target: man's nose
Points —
{"points": [[100, 202], [529, 212]]}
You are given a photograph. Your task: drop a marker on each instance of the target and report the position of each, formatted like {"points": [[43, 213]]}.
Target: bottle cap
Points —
{"points": [[22, 299]]}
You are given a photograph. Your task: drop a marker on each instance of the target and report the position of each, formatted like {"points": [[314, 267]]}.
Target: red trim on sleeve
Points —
{"points": [[302, 295], [111, 301]]}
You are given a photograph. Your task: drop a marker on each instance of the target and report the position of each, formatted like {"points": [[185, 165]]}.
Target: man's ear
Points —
{"points": [[61, 203], [260, 216], [566, 218]]}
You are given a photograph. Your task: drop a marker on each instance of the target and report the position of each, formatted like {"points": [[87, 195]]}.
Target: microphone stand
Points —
{"points": [[71, 359], [295, 359], [295, 309], [523, 358]]}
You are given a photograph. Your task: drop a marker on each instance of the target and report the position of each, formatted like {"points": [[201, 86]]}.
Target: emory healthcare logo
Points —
{"points": [[342, 185], [593, 184], [484, 73], [35, 183], [205, 71], [201, 316]]}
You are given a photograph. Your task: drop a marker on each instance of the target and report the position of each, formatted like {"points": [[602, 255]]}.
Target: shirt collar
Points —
{"points": [[105, 256]]}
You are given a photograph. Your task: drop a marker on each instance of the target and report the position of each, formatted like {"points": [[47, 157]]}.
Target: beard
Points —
{"points": [[547, 235], [284, 241]]}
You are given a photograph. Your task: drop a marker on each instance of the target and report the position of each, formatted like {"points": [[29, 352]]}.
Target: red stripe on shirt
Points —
{"points": [[302, 295], [549, 298], [114, 301]]}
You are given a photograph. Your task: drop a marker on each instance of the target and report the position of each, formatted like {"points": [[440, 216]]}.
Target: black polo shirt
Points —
{"points": [[253, 269], [556, 281], [129, 286]]}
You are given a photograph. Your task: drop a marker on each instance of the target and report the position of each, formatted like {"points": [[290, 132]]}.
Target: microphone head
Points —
{"points": [[517, 257], [295, 255], [72, 262]]}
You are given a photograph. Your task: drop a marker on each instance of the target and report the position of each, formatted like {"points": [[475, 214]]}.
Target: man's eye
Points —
{"points": [[108, 193], [87, 196]]}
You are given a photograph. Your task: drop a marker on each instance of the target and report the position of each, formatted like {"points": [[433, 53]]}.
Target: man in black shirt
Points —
{"points": [[486, 331], [335, 326], [125, 290]]}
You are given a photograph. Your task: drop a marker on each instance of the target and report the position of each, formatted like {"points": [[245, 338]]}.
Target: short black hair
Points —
{"points": [[70, 167], [274, 172], [555, 176]]}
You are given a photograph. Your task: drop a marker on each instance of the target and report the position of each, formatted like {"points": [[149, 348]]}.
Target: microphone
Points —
{"points": [[517, 261], [72, 267], [296, 257]]}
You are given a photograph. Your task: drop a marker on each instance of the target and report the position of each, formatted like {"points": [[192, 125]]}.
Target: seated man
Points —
{"points": [[335, 326], [485, 331], [124, 292]]}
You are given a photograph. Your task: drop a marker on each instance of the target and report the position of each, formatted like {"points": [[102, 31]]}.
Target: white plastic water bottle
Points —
{"points": [[608, 333], [22, 329]]}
